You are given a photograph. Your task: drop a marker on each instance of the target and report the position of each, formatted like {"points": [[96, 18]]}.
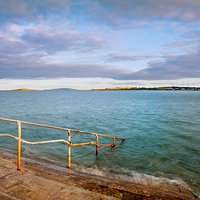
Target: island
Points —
{"points": [[24, 89]]}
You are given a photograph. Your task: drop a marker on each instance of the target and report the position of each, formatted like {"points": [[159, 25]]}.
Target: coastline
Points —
{"points": [[41, 181], [168, 88]]}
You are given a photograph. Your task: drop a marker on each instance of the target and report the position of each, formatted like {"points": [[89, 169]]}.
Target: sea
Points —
{"points": [[161, 131]]}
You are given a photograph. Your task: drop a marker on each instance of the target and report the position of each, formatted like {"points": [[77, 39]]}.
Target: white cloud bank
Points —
{"points": [[89, 83]]}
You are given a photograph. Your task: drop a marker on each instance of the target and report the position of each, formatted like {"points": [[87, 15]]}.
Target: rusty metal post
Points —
{"points": [[69, 150], [97, 144], [113, 145], [19, 145]]}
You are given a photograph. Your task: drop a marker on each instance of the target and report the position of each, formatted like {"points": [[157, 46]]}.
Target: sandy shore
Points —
{"points": [[36, 181]]}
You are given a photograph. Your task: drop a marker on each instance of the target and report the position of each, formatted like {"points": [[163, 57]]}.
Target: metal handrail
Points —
{"points": [[68, 142], [60, 128]]}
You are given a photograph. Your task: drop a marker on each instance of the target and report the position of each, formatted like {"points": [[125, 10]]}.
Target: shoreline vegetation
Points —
{"points": [[42, 181], [152, 88], [24, 89]]}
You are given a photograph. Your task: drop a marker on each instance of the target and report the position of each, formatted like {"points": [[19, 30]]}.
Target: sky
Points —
{"points": [[85, 44]]}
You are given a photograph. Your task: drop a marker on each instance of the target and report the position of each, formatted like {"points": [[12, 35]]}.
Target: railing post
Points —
{"points": [[113, 145], [69, 150], [19, 145], [97, 144]]}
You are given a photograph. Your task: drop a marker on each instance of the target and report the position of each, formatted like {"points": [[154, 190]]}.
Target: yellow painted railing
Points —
{"points": [[71, 132]]}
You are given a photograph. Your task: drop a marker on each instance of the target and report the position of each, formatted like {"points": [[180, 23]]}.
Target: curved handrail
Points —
{"points": [[39, 142]]}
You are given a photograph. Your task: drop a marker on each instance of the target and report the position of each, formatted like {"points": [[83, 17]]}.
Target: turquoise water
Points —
{"points": [[162, 129]]}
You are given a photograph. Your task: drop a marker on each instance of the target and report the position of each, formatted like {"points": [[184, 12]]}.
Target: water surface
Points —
{"points": [[162, 129]]}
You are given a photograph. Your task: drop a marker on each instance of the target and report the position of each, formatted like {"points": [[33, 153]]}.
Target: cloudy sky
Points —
{"points": [[86, 44]]}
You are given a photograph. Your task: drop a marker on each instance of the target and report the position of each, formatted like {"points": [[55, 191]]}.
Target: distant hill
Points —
{"points": [[57, 89]]}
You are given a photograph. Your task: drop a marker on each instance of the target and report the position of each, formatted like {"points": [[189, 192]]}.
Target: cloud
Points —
{"points": [[27, 10], [173, 67], [30, 51], [36, 70], [22, 45], [110, 12], [126, 12], [24, 51], [61, 36], [51, 36], [32, 31], [124, 58]]}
